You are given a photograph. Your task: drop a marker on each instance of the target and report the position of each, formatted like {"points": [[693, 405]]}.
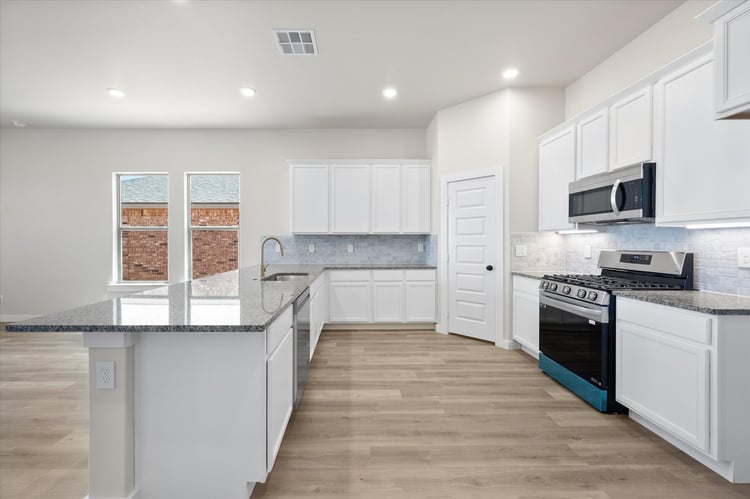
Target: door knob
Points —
{"points": [[490, 267]]}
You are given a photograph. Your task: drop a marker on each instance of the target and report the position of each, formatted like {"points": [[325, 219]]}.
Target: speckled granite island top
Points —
{"points": [[698, 301], [235, 301]]}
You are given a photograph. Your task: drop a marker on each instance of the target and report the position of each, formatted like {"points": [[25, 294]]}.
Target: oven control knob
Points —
{"points": [[545, 284], [553, 286], [566, 290], [581, 293], [592, 295]]}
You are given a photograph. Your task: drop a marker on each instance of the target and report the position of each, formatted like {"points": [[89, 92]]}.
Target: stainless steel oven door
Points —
{"points": [[575, 335]]}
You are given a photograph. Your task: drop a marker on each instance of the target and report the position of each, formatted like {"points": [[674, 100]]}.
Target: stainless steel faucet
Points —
{"points": [[262, 257]]}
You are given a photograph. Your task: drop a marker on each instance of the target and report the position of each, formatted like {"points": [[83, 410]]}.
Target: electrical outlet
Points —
{"points": [[522, 250], [311, 248], [420, 247], [587, 251], [105, 375], [743, 258], [350, 248], [278, 248]]}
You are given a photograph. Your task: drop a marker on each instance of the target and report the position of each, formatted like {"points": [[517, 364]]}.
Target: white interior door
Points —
{"points": [[472, 249]]}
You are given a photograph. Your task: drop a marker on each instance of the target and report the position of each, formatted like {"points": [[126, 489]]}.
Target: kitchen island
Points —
{"points": [[190, 384]]}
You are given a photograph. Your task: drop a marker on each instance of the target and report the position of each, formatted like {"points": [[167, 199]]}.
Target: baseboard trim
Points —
{"points": [[412, 326], [133, 495], [5, 318], [506, 344]]}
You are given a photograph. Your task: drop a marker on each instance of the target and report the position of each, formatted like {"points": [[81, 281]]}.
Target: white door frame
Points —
{"points": [[499, 261]]}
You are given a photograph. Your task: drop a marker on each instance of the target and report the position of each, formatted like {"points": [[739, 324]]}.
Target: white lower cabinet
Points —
{"points": [[350, 301], [382, 296], [675, 398], [683, 374], [420, 295], [387, 301], [526, 313], [280, 383]]}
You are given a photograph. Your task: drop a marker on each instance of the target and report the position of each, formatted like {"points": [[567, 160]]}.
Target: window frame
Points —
{"points": [[189, 227], [118, 228]]}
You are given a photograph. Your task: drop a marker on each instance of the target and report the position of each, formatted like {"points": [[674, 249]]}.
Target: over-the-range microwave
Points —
{"points": [[625, 195]]}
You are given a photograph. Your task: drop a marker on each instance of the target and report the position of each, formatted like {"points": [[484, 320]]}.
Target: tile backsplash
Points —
{"points": [[545, 251], [366, 249], [715, 251]]}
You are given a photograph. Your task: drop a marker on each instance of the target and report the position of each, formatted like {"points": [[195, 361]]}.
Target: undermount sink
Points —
{"points": [[289, 276]]}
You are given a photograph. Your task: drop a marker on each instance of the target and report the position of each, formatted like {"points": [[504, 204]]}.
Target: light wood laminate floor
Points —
{"points": [[386, 414]]}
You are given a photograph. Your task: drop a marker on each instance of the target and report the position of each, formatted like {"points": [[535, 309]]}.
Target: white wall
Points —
{"points": [[497, 129], [676, 34], [56, 196], [469, 136]]}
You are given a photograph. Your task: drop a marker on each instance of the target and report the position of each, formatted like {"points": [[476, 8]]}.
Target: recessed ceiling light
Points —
{"points": [[510, 73], [390, 93], [116, 93], [247, 91], [19, 124]]}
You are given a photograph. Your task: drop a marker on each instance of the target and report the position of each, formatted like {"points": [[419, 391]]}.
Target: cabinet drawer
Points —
{"points": [[349, 275], [387, 275], [420, 275], [684, 324], [278, 329], [526, 285]]}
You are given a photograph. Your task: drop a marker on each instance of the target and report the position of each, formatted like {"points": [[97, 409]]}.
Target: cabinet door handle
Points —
{"points": [[490, 267]]}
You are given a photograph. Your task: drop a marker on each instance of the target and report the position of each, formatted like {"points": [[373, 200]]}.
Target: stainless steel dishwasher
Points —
{"points": [[301, 344]]}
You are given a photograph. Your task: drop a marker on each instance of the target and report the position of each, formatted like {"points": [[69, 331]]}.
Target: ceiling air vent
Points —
{"points": [[296, 42]]}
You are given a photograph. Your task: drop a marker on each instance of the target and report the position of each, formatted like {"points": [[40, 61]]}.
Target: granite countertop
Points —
{"points": [[698, 301], [235, 301], [538, 274]]}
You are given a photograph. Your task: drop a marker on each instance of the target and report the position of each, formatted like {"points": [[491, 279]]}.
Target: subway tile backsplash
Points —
{"points": [[715, 251], [366, 249]]}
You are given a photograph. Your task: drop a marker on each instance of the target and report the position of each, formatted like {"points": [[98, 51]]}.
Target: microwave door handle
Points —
{"points": [[613, 197]]}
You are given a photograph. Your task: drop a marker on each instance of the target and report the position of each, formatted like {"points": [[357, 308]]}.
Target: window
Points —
{"points": [[142, 238], [214, 206]]}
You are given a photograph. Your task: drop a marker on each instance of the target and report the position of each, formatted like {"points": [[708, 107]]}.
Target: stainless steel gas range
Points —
{"points": [[577, 318]]}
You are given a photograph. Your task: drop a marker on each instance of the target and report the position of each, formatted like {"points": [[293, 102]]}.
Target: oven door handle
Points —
{"points": [[573, 309]]}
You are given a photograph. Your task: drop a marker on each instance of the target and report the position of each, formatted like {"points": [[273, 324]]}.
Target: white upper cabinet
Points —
{"points": [[390, 197], [593, 142], [630, 129], [732, 71], [703, 166], [386, 199], [557, 166], [309, 198], [350, 202], [416, 199]]}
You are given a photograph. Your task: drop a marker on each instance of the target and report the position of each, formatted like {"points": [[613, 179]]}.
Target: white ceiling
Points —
{"points": [[181, 63]]}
